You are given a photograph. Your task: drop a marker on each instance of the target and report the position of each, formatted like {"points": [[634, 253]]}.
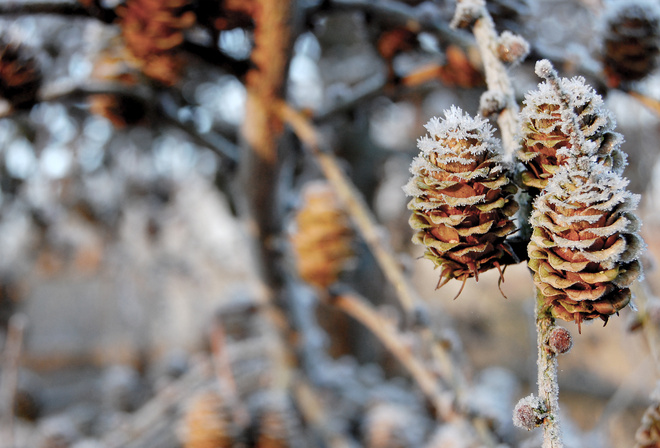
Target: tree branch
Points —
{"points": [[547, 377]]}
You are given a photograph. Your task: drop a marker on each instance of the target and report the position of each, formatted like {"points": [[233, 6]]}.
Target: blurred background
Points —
{"points": [[122, 253]]}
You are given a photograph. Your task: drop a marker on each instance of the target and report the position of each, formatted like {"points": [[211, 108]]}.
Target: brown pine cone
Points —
{"points": [[546, 141], [276, 424], [152, 31], [631, 40], [20, 77], [208, 422], [322, 238], [584, 248], [462, 199]]}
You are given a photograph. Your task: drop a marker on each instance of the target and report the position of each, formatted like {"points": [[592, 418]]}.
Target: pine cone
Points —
{"points": [[546, 141], [208, 422], [322, 238], [648, 434], [630, 42], [20, 77], [584, 248], [462, 199], [276, 425], [152, 31]]}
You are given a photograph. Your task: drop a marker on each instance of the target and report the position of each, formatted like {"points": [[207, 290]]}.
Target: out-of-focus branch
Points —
{"points": [[366, 223], [315, 414], [426, 17], [262, 132], [497, 78], [168, 398], [362, 311], [9, 379], [21, 7], [650, 103], [158, 104]]}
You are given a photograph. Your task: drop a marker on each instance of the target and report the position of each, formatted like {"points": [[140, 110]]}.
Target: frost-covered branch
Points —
{"points": [[497, 78], [547, 380]]}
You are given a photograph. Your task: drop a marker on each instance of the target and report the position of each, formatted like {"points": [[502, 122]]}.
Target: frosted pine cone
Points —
{"points": [[20, 77], [630, 42], [322, 238], [208, 423], [584, 248], [546, 142], [462, 199], [152, 31]]}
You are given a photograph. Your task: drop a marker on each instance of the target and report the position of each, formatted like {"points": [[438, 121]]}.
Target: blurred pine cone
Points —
{"points": [[208, 422], [546, 142], [584, 248], [152, 31], [462, 199], [322, 238], [20, 77], [276, 424], [631, 40], [648, 434]]}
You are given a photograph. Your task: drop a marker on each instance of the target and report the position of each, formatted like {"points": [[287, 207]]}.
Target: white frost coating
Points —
{"points": [[544, 69], [529, 411], [460, 126], [512, 48], [467, 11]]}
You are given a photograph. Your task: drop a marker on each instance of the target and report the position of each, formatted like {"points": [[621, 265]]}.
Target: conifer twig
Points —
{"points": [[547, 377], [497, 78]]}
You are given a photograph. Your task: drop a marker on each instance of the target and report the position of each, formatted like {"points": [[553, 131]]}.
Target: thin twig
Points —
{"points": [[9, 379], [316, 415], [362, 311], [497, 79], [423, 18], [168, 398], [650, 103], [547, 377], [366, 223]]}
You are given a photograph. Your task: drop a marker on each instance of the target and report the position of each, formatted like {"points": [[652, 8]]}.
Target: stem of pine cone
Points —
{"points": [[547, 377]]}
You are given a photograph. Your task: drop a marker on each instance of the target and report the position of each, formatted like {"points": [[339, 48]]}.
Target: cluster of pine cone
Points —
{"points": [[584, 246]]}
